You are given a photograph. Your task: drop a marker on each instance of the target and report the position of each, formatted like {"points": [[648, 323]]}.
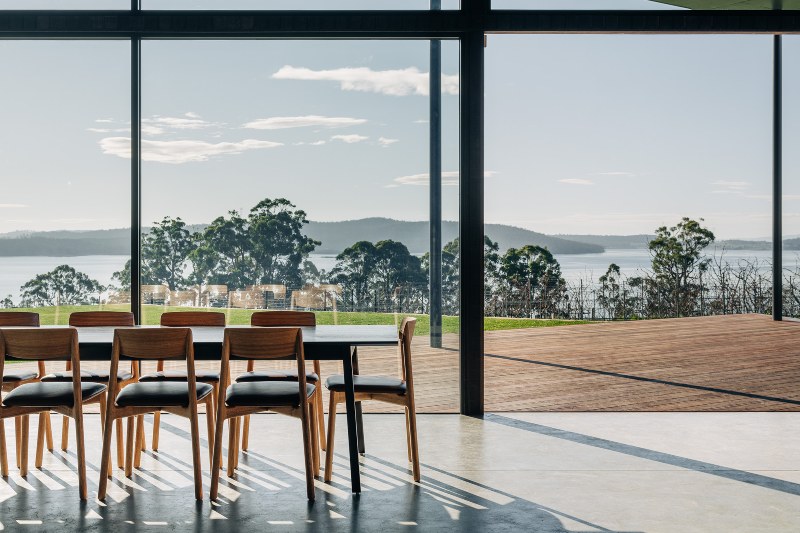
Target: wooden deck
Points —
{"points": [[722, 363]]}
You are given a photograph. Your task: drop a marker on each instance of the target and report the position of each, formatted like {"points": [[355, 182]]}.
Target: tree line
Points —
{"points": [[267, 245]]}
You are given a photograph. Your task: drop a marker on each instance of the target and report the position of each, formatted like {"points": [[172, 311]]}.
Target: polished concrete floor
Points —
{"points": [[549, 472]]}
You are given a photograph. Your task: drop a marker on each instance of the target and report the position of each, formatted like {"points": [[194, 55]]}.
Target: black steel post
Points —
{"points": [[136, 174], [777, 181], [435, 186], [471, 222]]}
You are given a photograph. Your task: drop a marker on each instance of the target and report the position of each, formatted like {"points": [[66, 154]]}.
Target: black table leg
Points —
{"points": [[362, 446], [352, 422]]}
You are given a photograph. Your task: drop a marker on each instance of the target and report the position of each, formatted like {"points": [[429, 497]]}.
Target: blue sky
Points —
{"points": [[584, 134]]}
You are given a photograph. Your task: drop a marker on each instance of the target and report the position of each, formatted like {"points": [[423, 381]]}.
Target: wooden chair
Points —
{"points": [[289, 398], [185, 319], [12, 380], [30, 398], [136, 399], [86, 319], [284, 319], [385, 389]]}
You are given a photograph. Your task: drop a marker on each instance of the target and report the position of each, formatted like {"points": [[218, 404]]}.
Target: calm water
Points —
{"points": [[15, 271]]}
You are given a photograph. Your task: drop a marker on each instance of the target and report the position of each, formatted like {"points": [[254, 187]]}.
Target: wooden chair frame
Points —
{"points": [[153, 344], [45, 344], [28, 320], [406, 400], [266, 343], [289, 319], [90, 319], [184, 319]]}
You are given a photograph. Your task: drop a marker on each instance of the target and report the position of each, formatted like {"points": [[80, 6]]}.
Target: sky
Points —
{"points": [[584, 134]]}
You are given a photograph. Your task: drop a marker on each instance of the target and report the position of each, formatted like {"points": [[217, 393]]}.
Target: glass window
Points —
{"points": [[293, 175], [65, 206]]}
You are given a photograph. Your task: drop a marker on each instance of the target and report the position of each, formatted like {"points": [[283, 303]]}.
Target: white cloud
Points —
{"points": [[731, 185], [349, 139], [449, 179], [177, 152], [190, 114], [149, 129], [576, 181], [177, 123], [422, 121], [383, 141], [13, 206], [617, 174], [318, 143], [104, 120], [280, 123], [399, 82]]}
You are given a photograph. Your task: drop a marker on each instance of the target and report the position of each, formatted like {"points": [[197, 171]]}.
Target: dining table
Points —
{"points": [[324, 343]]}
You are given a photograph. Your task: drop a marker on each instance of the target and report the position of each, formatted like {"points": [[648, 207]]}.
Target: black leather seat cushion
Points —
{"points": [[180, 375], [276, 375], [265, 393], [50, 394], [94, 376], [22, 375], [368, 384], [160, 394]]}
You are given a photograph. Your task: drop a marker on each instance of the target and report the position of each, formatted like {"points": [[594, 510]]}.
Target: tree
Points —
{"points": [[61, 286], [7, 303], [165, 251], [610, 296], [678, 263], [123, 277], [353, 271], [223, 253], [533, 280], [278, 245], [396, 269]]}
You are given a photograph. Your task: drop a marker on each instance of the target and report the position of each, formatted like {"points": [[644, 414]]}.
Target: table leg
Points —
{"points": [[352, 423], [362, 447]]}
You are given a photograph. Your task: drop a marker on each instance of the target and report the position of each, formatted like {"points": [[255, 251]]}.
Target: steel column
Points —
{"points": [[435, 187], [777, 181], [136, 174]]}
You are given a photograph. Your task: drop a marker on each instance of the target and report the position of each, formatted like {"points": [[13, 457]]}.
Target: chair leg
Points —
{"points": [[308, 452], [210, 429], [106, 469], [318, 401], [137, 454], [216, 462], [331, 434], [23, 454], [143, 437], [120, 445], [156, 428], [198, 479], [103, 424], [49, 432], [408, 436], [3, 454], [412, 423], [129, 447], [81, 445], [314, 434], [64, 433], [233, 429], [245, 433], [40, 431], [18, 439]]}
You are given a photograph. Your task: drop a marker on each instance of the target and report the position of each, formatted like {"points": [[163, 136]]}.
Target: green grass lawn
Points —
{"points": [[450, 324]]}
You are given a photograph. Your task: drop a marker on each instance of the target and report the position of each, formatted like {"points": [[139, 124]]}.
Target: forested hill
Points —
{"points": [[335, 237]]}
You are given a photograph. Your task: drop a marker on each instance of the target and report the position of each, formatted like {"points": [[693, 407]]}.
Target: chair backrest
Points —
{"points": [[41, 344], [154, 343], [83, 319], [283, 318], [193, 318], [264, 343], [19, 318], [405, 336]]}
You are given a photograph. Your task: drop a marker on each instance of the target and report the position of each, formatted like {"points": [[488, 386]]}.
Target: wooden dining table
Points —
{"points": [[325, 343]]}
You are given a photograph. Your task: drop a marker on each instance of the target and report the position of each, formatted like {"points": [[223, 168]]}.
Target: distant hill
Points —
{"points": [[619, 242], [335, 237]]}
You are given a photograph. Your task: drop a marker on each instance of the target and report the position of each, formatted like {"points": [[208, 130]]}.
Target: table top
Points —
{"points": [[319, 342]]}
